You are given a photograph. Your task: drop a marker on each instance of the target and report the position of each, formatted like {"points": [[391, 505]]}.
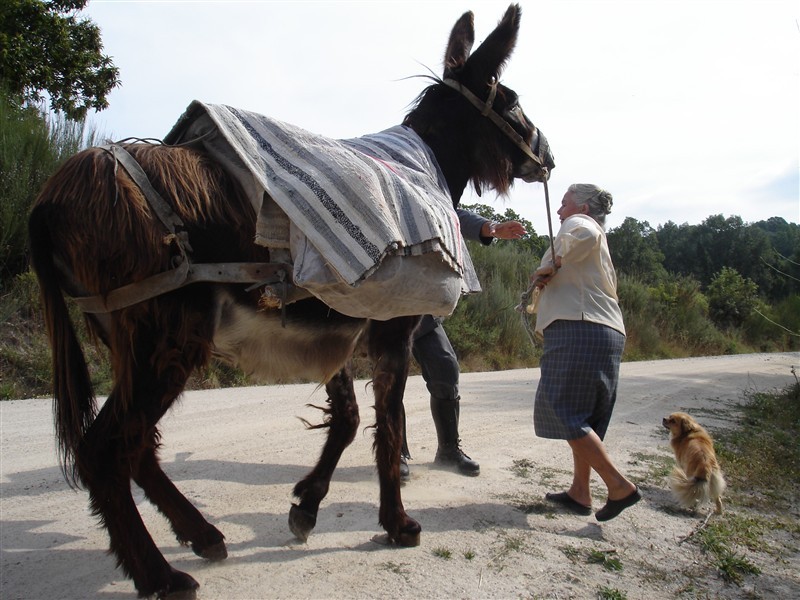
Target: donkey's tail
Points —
{"points": [[74, 405]]}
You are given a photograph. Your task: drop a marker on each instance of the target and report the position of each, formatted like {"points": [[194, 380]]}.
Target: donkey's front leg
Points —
{"points": [[342, 422], [390, 350]]}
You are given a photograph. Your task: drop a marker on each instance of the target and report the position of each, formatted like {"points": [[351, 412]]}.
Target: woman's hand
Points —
{"points": [[542, 276]]}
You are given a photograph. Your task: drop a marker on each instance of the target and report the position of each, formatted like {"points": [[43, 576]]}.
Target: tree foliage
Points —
{"points": [[531, 243], [731, 298], [46, 47], [635, 250], [31, 147]]}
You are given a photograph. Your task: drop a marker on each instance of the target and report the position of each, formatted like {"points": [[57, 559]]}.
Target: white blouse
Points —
{"points": [[585, 287]]}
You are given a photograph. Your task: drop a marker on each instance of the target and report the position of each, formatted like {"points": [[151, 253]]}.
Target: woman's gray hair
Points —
{"points": [[597, 199]]}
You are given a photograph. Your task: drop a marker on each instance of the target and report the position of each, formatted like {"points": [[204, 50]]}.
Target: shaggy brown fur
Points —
{"points": [[697, 478], [92, 219]]}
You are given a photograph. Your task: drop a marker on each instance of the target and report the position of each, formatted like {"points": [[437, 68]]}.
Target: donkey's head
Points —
{"points": [[473, 123]]}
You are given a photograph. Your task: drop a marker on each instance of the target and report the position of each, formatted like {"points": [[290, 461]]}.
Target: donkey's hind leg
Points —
{"points": [[151, 363], [188, 524], [390, 349], [342, 422], [105, 458]]}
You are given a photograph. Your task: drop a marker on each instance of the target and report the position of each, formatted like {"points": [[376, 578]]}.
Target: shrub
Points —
{"points": [[32, 146], [731, 298]]}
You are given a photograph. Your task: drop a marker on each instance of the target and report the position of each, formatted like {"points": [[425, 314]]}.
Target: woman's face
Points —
{"points": [[569, 207]]}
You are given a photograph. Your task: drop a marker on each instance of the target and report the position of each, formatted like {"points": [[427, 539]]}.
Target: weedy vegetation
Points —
{"points": [[760, 457], [607, 593]]}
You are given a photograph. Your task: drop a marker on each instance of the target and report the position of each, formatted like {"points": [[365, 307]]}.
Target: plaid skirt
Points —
{"points": [[579, 375]]}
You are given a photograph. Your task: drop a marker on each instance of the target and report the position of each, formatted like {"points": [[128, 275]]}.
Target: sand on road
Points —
{"points": [[236, 454]]}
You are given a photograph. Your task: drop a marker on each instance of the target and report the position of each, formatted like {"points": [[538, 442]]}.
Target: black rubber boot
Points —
{"points": [[449, 454]]}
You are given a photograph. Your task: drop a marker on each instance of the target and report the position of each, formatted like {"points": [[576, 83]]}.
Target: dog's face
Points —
{"points": [[679, 424]]}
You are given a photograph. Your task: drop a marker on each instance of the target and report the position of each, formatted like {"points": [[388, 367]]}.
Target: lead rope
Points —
{"points": [[527, 302]]}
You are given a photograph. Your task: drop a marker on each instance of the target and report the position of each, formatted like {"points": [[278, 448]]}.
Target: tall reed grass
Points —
{"points": [[31, 146]]}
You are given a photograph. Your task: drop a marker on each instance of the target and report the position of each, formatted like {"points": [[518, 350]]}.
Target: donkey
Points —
{"points": [[91, 229]]}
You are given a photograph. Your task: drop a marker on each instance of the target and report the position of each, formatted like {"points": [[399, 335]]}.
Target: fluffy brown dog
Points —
{"points": [[697, 477]]}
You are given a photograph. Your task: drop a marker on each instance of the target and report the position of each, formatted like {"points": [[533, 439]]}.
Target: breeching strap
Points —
{"points": [[184, 271]]}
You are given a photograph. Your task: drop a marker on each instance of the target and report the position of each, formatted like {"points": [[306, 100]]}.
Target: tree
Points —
{"points": [[675, 241], [635, 251], [784, 259], [47, 47], [531, 243], [701, 251], [731, 298]]}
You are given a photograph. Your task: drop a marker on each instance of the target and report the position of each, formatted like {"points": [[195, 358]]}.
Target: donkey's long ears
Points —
{"points": [[460, 44], [488, 61]]}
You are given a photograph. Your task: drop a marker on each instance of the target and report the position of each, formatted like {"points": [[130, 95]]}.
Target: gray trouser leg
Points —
{"points": [[439, 366]]}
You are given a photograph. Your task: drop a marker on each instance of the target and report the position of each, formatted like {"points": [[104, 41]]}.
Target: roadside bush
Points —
{"points": [[731, 298], [485, 330], [31, 147], [669, 319], [770, 328], [640, 314], [684, 315], [25, 360]]}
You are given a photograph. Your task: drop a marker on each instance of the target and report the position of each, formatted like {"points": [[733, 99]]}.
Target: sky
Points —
{"points": [[681, 109]]}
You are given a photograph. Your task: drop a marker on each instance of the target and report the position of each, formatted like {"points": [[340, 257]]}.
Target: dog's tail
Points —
{"points": [[691, 492]]}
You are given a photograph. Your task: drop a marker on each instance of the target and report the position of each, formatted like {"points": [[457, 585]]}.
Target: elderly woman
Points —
{"points": [[580, 319]]}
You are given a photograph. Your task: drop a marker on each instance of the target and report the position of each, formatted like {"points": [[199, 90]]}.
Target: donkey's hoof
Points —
{"points": [[301, 522], [214, 552], [408, 539], [409, 533], [182, 586]]}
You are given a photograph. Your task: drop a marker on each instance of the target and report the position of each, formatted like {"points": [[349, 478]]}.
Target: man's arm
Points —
{"points": [[476, 227]]}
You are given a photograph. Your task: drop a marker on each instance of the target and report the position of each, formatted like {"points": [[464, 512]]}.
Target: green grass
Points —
{"points": [[658, 466], [522, 467], [571, 552], [508, 544], [761, 456], [396, 568], [606, 559], [607, 593]]}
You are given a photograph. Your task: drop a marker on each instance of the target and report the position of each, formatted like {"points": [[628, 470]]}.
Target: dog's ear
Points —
{"points": [[687, 424]]}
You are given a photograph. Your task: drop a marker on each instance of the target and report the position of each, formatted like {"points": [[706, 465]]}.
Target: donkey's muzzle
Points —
{"points": [[532, 171]]}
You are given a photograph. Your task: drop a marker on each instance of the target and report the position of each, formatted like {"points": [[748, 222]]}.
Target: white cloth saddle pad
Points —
{"points": [[368, 223]]}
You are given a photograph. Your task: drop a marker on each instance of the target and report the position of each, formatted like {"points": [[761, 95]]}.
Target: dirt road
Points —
{"points": [[236, 453]]}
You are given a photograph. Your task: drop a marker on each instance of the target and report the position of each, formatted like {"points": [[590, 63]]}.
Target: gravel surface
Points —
{"points": [[236, 454]]}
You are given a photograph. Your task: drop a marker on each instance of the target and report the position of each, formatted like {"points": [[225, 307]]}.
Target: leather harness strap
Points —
{"points": [[184, 273], [163, 210], [486, 110]]}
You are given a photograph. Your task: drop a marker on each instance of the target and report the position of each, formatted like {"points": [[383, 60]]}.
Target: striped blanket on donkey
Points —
{"points": [[367, 223]]}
